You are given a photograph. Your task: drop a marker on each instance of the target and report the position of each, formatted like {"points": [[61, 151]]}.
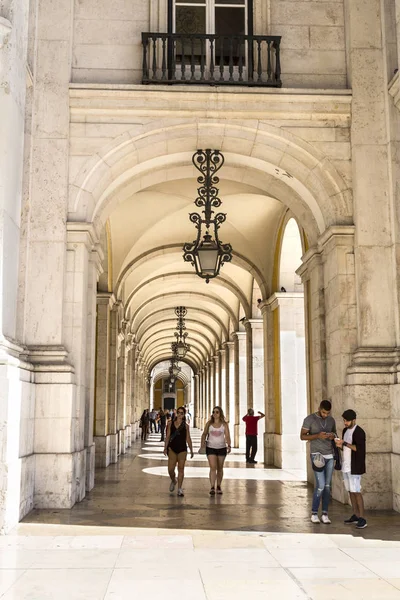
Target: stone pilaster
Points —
{"points": [[290, 392], [224, 379], [236, 387], [244, 387], [196, 395], [112, 385], [230, 385], [211, 387], [217, 379], [271, 382]]}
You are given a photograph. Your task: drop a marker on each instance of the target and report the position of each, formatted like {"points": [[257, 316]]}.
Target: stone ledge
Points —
{"points": [[127, 101]]}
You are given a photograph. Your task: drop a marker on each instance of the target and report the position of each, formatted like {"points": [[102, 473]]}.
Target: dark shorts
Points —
{"points": [[216, 451]]}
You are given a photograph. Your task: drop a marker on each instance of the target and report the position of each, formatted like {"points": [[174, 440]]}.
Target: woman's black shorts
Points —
{"points": [[216, 451]]}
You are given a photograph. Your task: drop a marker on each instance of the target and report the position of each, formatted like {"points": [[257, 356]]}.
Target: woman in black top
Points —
{"points": [[144, 424], [176, 442]]}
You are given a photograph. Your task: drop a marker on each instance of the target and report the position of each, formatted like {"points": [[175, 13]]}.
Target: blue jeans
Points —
{"points": [[323, 486]]}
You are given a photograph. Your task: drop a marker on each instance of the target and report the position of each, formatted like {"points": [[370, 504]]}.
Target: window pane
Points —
{"points": [[229, 21], [190, 19], [241, 2], [192, 2]]}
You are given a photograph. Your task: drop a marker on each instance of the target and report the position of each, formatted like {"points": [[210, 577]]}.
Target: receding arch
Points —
{"points": [[196, 309], [220, 281], [197, 295], [165, 333], [238, 259], [296, 162]]}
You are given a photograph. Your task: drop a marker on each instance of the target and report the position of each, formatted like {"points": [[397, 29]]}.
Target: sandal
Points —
{"points": [[219, 491], [212, 492]]}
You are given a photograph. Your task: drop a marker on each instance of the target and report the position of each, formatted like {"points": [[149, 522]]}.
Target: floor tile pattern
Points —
{"points": [[131, 538]]}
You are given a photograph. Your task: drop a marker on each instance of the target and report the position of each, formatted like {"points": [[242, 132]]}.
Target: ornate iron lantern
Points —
{"points": [[180, 348], [207, 253]]}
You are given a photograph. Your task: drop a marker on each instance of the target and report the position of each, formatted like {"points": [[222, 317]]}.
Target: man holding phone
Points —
{"points": [[353, 465], [319, 429]]}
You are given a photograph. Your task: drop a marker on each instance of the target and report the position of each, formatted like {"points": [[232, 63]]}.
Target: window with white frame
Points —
{"points": [[227, 19]]}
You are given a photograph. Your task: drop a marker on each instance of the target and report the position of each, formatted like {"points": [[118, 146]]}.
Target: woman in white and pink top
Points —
{"points": [[217, 440]]}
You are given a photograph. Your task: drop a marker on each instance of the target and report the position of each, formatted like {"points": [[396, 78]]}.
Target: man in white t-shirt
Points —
{"points": [[353, 465]]}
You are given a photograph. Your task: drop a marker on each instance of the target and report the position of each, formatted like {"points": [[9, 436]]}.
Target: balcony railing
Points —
{"points": [[248, 60]]}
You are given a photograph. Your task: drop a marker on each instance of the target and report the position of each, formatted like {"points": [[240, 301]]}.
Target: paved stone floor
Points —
{"points": [[131, 538]]}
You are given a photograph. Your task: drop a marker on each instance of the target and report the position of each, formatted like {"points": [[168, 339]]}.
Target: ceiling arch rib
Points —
{"points": [[161, 356], [92, 198], [204, 314], [145, 257], [182, 275], [194, 328], [165, 336], [162, 352], [224, 302], [195, 348], [165, 374], [187, 299]]}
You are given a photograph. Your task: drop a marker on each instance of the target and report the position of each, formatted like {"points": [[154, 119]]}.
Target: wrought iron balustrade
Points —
{"points": [[174, 58]]}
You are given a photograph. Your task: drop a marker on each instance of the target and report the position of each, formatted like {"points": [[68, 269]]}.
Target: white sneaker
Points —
{"points": [[180, 492], [315, 519], [172, 486], [325, 519]]}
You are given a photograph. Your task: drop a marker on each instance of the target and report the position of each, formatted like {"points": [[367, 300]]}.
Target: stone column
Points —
{"points": [[121, 398], [236, 387], [217, 379], [112, 385], [249, 363], [95, 270], [128, 390], [271, 380], [60, 464], [16, 381], [375, 173], [101, 439], [230, 385], [288, 308], [225, 379], [196, 383], [243, 385], [222, 378], [255, 374], [204, 404], [211, 387]]}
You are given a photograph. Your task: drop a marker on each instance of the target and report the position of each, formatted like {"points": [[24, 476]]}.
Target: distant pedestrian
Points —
{"points": [[319, 429], [177, 441], [144, 424], [217, 440], [152, 417], [353, 444], [162, 422], [251, 434]]}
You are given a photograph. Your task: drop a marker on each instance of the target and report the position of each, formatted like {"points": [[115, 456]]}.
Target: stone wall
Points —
{"points": [[107, 39]]}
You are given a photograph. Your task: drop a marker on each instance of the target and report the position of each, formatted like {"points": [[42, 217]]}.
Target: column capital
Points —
{"points": [[106, 298], [229, 344], [240, 335], [280, 299], [253, 323], [83, 233], [342, 235]]}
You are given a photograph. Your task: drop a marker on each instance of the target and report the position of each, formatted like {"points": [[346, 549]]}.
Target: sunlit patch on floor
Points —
{"points": [[237, 473]]}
